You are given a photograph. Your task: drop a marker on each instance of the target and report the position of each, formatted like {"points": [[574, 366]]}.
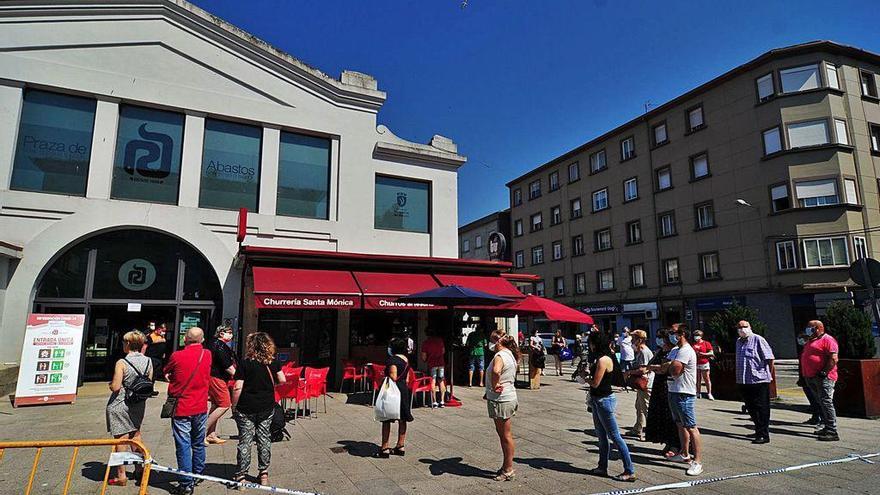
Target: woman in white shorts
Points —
{"points": [[501, 395], [704, 351]]}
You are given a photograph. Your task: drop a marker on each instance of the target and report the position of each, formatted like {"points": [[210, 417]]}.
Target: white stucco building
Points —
{"points": [[131, 134]]}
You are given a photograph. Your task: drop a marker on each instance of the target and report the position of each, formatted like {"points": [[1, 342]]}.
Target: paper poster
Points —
{"points": [[50, 359]]}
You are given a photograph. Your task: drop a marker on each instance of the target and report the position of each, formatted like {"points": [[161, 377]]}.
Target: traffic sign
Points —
{"points": [[865, 272]]}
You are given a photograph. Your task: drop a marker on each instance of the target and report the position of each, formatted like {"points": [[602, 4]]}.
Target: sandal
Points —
{"points": [[627, 477], [117, 481], [264, 478], [383, 454], [240, 478], [399, 450], [508, 476], [597, 471]]}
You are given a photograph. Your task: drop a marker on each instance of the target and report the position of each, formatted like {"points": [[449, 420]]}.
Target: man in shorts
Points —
{"points": [[434, 356], [681, 371], [476, 344]]}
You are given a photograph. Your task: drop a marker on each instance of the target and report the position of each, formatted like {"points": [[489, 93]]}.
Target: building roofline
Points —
{"points": [[810, 46], [485, 219]]}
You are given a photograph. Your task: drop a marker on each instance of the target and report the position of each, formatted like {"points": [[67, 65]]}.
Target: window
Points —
{"points": [[519, 259], [695, 119], [869, 84], [535, 189], [705, 216], [875, 137], [849, 188], [580, 283], [554, 181], [831, 75], [772, 141], [667, 224], [824, 252], [555, 215], [816, 193], [603, 240], [637, 275], [574, 172], [799, 78], [478, 241], [812, 133], [577, 245], [465, 245], [605, 279], [576, 211], [766, 87], [559, 283], [54, 143], [148, 151], [597, 161], [709, 266], [786, 258], [537, 255], [699, 166], [670, 271], [537, 223], [664, 178], [840, 131], [304, 177], [231, 166], [634, 232], [600, 199], [779, 197], [627, 148], [517, 197], [517, 228], [403, 204], [539, 288], [631, 189], [659, 134], [860, 246], [557, 250]]}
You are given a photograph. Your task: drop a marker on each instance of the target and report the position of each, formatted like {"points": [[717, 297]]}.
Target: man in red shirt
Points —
{"points": [[434, 355], [819, 368], [189, 373]]}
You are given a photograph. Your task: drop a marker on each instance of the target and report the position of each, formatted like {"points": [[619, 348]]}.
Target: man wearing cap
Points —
{"points": [[754, 372]]}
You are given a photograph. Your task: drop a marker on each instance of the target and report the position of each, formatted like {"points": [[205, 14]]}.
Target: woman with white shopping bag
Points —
{"points": [[393, 401]]}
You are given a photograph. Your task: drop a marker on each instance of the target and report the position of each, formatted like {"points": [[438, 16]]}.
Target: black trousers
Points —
{"points": [[757, 401]]}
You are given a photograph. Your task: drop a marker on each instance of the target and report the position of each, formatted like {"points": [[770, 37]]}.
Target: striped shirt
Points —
{"points": [[752, 354]]}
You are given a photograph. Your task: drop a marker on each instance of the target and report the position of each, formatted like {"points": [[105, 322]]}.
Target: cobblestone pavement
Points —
{"points": [[455, 450]]}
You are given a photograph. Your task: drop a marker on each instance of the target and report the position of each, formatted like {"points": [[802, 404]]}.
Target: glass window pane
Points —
{"points": [[839, 248], [825, 257], [808, 133], [402, 204], [800, 78], [303, 176], [67, 275], [772, 143], [148, 151], [136, 264], [833, 82], [811, 249], [54, 143], [230, 165], [840, 130], [765, 86]]}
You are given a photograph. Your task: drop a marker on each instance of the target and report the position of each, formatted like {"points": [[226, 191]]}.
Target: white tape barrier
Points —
{"points": [[704, 481], [227, 483]]}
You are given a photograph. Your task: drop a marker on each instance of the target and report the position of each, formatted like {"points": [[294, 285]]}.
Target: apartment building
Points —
{"points": [[486, 238], [758, 187]]}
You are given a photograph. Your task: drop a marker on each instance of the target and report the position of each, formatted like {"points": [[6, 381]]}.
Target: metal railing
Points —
{"points": [[76, 444]]}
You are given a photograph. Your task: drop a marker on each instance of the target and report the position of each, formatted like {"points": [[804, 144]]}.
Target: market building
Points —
{"points": [[130, 138], [759, 187]]}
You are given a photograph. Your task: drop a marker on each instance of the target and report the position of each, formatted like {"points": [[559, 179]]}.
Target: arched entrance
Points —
{"points": [[124, 279]]}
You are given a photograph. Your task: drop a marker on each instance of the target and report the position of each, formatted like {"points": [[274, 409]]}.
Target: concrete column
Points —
{"points": [[269, 171], [103, 150], [191, 160], [11, 98]]}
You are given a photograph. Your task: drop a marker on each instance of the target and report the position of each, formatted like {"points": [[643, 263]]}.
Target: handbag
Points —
{"points": [[170, 405]]}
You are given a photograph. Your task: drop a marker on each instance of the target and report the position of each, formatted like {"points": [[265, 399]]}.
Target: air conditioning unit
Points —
{"points": [[651, 314]]}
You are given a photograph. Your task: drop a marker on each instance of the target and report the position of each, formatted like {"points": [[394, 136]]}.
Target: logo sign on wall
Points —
{"points": [[137, 274], [49, 359], [497, 246], [150, 156]]}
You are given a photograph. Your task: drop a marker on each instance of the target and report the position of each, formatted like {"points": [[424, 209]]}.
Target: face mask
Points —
{"points": [[744, 332], [809, 331], [698, 338], [801, 341], [389, 352], [658, 341], [673, 339], [492, 346]]}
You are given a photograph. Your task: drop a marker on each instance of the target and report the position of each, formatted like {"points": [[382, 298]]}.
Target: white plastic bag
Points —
{"points": [[387, 405]]}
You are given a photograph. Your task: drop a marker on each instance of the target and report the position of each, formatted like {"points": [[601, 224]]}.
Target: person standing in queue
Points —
{"points": [[660, 427], [501, 398], [156, 347], [754, 372], [434, 355], [643, 356], [476, 345], [397, 368], [222, 371], [819, 366], [557, 345], [705, 352]]}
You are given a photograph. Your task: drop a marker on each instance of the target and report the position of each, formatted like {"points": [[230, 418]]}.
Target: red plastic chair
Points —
{"points": [[316, 385], [419, 384], [377, 376], [292, 389], [353, 371]]}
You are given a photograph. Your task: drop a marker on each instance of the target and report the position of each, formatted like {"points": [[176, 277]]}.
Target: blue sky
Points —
{"points": [[518, 83]]}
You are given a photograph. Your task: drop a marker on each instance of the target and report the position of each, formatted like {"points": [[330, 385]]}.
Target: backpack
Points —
{"points": [[278, 427], [141, 388]]}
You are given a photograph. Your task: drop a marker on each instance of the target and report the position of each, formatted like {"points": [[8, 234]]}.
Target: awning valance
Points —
{"points": [[381, 290], [295, 288]]}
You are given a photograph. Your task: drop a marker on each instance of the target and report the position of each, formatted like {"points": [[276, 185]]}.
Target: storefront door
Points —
{"points": [[307, 337], [193, 317], [107, 324]]}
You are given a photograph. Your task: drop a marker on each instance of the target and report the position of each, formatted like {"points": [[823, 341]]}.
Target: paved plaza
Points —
{"points": [[455, 450]]}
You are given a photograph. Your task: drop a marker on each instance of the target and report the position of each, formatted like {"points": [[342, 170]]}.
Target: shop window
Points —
{"points": [[131, 264], [402, 204], [149, 145], [66, 278], [303, 176], [54, 143], [230, 166]]}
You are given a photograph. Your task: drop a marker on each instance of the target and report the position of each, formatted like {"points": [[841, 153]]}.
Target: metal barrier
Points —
{"points": [[76, 444]]}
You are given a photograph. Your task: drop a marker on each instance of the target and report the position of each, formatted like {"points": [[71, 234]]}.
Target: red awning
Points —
{"points": [[381, 290], [548, 308], [496, 286], [294, 288]]}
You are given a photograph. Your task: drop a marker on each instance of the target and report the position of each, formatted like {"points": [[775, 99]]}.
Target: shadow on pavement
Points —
{"points": [[551, 465], [453, 465], [359, 449]]}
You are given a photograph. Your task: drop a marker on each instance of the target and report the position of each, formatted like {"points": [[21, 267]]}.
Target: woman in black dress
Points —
{"points": [[397, 368], [660, 426]]}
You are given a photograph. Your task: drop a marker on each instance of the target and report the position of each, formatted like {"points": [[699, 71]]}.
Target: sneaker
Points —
{"points": [[828, 436], [820, 428], [813, 421], [680, 458], [710, 397], [434, 405], [181, 490], [761, 440], [696, 469], [441, 405]]}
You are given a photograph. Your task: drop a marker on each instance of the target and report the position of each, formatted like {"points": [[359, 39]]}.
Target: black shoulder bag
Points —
{"points": [[141, 388], [170, 405]]}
